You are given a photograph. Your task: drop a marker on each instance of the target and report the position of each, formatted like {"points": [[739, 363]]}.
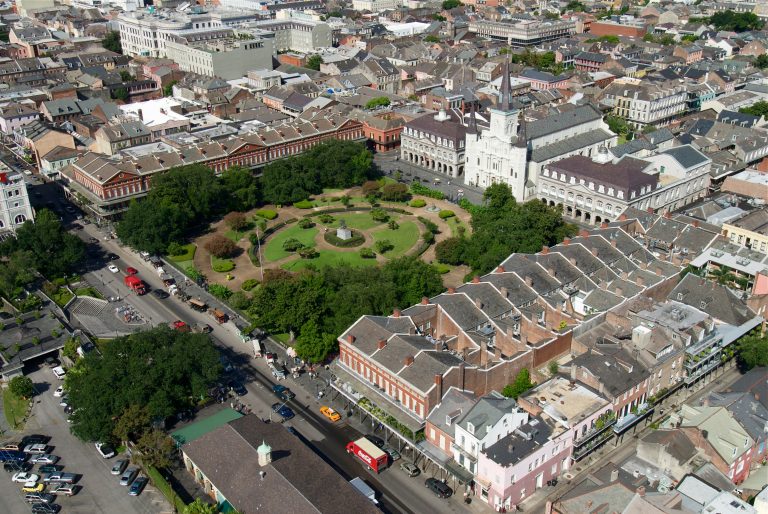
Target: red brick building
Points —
{"points": [[606, 28], [383, 131]]}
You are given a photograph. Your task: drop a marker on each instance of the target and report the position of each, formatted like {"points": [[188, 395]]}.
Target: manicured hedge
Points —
{"points": [[304, 204], [445, 214], [422, 190], [267, 214], [356, 240], [418, 203]]}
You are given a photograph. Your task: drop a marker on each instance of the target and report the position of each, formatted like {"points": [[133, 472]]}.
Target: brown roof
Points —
{"points": [[626, 174], [450, 128], [297, 480]]}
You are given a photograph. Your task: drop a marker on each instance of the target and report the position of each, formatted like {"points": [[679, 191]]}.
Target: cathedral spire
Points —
{"points": [[522, 136], [472, 126], [506, 93]]}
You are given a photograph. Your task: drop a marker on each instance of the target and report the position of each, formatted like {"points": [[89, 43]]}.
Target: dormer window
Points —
{"points": [[470, 428]]}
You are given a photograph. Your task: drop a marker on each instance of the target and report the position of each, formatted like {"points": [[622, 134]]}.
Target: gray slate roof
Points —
{"points": [[562, 121], [486, 413]]}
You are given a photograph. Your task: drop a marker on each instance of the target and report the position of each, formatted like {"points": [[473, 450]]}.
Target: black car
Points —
{"points": [[238, 388], [13, 467], [283, 392], [159, 293], [93, 240], [113, 256], [378, 441], [45, 508], [137, 486], [35, 439], [438, 487]]}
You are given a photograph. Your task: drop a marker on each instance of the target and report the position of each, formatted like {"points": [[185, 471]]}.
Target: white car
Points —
{"points": [[59, 372], [59, 392], [105, 450], [23, 476], [113, 268]]}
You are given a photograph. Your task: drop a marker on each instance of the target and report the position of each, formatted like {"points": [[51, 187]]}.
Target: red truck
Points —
{"points": [[135, 284], [371, 455]]}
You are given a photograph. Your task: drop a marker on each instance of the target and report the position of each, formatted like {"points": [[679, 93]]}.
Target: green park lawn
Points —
{"points": [[236, 235], [61, 296], [188, 255], [14, 408], [273, 250], [88, 291], [403, 238], [358, 220], [330, 258]]}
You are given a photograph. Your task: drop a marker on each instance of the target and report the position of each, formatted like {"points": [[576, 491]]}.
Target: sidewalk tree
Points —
{"points": [[132, 423], [22, 387], [200, 507], [314, 345], [155, 449], [752, 351]]}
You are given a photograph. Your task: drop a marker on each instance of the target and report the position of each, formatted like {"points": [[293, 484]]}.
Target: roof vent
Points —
{"points": [[602, 156]]}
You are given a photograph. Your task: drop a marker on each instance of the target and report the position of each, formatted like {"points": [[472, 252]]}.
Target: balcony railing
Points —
{"points": [[595, 443], [594, 432], [464, 452]]}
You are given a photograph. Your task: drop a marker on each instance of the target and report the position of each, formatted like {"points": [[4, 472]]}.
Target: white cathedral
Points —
{"points": [[513, 152]]}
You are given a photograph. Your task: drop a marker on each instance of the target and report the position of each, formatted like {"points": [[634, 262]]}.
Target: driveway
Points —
{"points": [[100, 491]]}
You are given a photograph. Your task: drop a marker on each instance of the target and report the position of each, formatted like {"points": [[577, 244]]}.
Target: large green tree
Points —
{"points": [[752, 350], [242, 189], [22, 387], [521, 384], [502, 227], [51, 250], [756, 109], [15, 273], [737, 22], [160, 370], [152, 224], [112, 42]]}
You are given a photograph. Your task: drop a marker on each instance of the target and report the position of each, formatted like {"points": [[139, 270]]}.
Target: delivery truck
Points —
{"points": [[371, 455], [135, 284]]}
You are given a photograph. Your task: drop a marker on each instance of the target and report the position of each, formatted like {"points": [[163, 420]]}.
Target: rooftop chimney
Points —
{"points": [[424, 300], [451, 290], [528, 281], [623, 217], [381, 344], [475, 279], [614, 474], [544, 250], [604, 225], [408, 361], [695, 223], [396, 313], [500, 269], [566, 241], [667, 214], [641, 490], [650, 210], [351, 339]]}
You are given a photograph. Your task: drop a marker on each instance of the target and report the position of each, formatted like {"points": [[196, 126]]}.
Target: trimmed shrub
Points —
{"points": [[267, 214], [220, 246], [393, 225], [308, 253], [325, 219], [367, 253], [383, 246], [445, 214], [304, 204], [236, 221], [428, 237], [356, 240], [370, 187], [176, 249], [418, 202], [442, 268], [219, 291], [222, 265], [292, 245], [249, 284], [419, 189], [429, 225], [306, 223], [450, 251], [379, 215], [395, 193]]}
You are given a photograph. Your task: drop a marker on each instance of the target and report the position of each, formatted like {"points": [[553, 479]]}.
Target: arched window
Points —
{"points": [[20, 219]]}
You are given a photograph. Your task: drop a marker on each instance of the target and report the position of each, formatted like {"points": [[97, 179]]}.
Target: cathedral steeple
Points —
{"points": [[472, 126], [522, 137], [505, 99]]}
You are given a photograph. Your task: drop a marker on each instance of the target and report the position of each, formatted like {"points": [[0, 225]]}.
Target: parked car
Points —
{"points": [[378, 441], [64, 489], [52, 362], [393, 454], [12, 456], [226, 364], [283, 392], [60, 476], [113, 268], [112, 256], [36, 448], [128, 476], [330, 413], [410, 468], [105, 450], [12, 446], [59, 392], [285, 412], [33, 487], [130, 270], [13, 467], [35, 439], [137, 486], [39, 498], [45, 458], [45, 508], [93, 240], [64, 401], [50, 468], [160, 294], [59, 372], [438, 487], [23, 476], [119, 467]]}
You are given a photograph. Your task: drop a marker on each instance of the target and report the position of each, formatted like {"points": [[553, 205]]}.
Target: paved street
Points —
{"points": [[389, 163], [100, 491]]}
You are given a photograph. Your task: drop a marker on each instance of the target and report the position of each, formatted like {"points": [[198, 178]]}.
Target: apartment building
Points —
{"points": [[13, 116], [646, 103], [297, 33], [376, 5], [750, 230], [522, 32], [223, 53], [435, 142]]}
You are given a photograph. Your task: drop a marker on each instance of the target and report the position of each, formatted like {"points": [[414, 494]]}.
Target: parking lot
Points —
{"points": [[100, 492]]}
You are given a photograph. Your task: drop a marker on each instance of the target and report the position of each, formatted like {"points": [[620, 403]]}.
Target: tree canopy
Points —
{"points": [[761, 61], [42, 245], [502, 227], [22, 386], [736, 22], [160, 371], [319, 305], [333, 164], [112, 42], [752, 351], [379, 101], [521, 384], [184, 197], [756, 109], [314, 62]]}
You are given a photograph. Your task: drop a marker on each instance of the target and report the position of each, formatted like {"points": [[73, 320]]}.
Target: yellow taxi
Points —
{"points": [[330, 413], [33, 487]]}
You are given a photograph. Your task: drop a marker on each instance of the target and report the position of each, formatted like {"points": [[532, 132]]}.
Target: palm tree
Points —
{"points": [[722, 275]]}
